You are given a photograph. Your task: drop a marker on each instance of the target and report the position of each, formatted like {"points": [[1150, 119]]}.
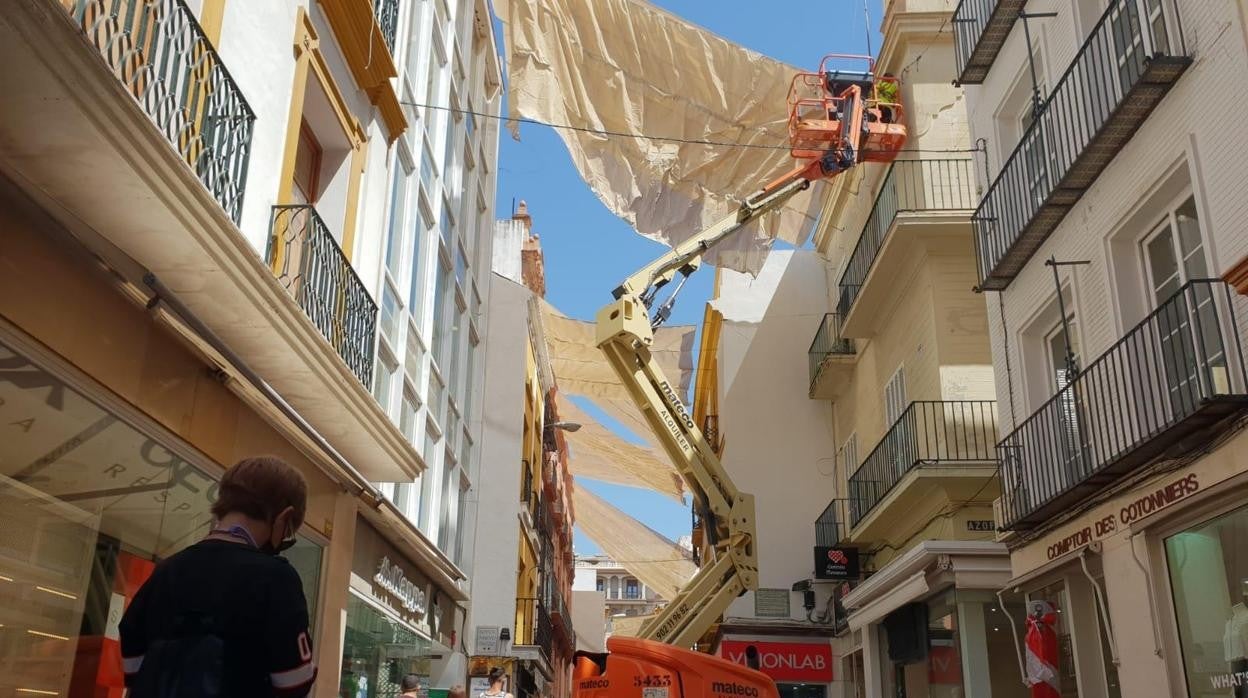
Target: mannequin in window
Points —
{"points": [[1235, 643]]}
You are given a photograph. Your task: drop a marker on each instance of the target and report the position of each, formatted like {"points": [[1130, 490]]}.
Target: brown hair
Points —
{"points": [[261, 487]]}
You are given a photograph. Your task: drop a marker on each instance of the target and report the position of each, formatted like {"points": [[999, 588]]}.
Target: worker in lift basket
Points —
{"points": [[886, 97]]}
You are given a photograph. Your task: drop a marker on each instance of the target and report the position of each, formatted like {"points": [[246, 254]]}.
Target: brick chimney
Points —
{"points": [[532, 261]]}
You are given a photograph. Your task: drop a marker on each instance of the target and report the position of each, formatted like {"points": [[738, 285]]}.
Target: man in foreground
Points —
{"points": [[226, 617]]}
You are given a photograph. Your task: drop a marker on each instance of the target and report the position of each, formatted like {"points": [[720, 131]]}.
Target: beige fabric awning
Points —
{"points": [[659, 563], [628, 626], [582, 369], [598, 453], [655, 75]]}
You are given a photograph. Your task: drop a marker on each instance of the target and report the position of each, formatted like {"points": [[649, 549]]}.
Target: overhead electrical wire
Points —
{"points": [[643, 136]]}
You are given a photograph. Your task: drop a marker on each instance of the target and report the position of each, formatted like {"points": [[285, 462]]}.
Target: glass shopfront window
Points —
{"points": [[955, 644], [1209, 578], [88, 506], [378, 651]]}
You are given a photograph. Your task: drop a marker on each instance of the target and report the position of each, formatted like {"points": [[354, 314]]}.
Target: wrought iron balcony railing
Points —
{"points": [[1128, 63], [980, 27], [561, 618], [308, 261], [1154, 394], [909, 186], [827, 342], [831, 527], [387, 13], [160, 54], [928, 434], [533, 625]]}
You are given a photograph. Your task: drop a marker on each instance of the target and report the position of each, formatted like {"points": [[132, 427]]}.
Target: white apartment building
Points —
{"points": [[1114, 205], [268, 225], [623, 593], [751, 391]]}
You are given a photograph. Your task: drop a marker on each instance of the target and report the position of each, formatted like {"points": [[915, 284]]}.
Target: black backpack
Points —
{"points": [[189, 663]]}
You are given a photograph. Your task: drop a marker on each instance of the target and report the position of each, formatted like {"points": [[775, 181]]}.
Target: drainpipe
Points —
{"points": [[1018, 649], [354, 481], [1100, 602]]}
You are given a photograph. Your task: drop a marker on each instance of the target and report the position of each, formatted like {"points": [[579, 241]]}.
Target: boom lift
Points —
{"points": [[837, 119]]}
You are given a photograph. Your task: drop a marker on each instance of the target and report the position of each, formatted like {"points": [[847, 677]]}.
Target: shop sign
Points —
{"points": [[391, 578], [980, 525], [836, 563], [1134, 510], [795, 662]]}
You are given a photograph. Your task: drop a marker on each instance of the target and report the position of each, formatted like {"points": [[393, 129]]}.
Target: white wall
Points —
{"points": [[497, 527], [585, 579], [779, 442], [1186, 136], [589, 620]]}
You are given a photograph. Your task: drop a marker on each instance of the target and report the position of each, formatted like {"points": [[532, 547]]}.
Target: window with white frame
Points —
{"points": [[427, 489], [461, 509], [400, 194], [436, 398], [383, 377], [895, 397], [441, 288], [415, 42], [1174, 255], [408, 408], [1174, 251], [446, 523], [419, 227], [849, 454]]}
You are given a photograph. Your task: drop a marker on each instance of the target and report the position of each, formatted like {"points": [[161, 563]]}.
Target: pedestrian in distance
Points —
{"points": [[226, 617], [497, 690], [457, 691], [410, 685]]}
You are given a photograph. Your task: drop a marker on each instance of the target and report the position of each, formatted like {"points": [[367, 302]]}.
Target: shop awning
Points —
{"points": [[658, 562], [664, 82]]}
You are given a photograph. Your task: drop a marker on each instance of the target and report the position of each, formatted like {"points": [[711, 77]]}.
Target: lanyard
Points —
{"points": [[238, 532]]}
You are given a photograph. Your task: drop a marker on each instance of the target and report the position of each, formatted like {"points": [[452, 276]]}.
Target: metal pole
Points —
{"points": [[1036, 98], [1072, 366]]}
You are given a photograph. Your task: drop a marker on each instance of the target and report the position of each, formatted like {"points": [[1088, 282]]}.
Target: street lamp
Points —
{"points": [[566, 426]]}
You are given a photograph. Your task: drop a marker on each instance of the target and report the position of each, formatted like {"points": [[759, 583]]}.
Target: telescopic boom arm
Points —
{"points": [[625, 334]]}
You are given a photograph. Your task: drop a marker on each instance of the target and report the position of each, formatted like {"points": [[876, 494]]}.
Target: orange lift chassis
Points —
{"points": [[837, 119]]}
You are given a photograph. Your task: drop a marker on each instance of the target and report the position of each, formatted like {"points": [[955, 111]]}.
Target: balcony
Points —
{"points": [[1130, 60], [980, 28], [832, 359], [1161, 392], [159, 53], [308, 261], [386, 13], [935, 195], [121, 121], [561, 619], [832, 526], [533, 626], [943, 442], [366, 31]]}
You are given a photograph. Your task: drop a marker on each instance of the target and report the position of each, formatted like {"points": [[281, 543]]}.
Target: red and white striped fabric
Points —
{"points": [[1042, 651]]}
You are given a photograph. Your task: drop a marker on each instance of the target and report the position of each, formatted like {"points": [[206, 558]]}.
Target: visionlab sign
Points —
{"points": [[791, 662], [836, 563]]}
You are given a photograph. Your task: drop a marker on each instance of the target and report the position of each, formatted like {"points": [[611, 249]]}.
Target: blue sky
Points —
{"points": [[589, 250]]}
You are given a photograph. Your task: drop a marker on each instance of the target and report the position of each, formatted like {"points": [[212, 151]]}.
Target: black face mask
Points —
{"points": [[286, 544]]}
